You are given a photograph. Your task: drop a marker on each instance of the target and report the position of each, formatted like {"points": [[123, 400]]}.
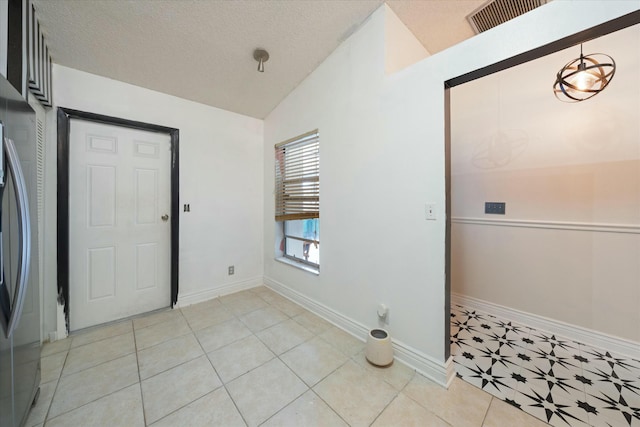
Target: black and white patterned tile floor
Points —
{"points": [[560, 381]]}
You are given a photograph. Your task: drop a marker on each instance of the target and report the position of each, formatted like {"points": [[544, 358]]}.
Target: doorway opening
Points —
{"points": [[495, 351]]}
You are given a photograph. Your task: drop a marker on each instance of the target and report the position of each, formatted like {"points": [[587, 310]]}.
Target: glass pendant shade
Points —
{"points": [[584, 77]]}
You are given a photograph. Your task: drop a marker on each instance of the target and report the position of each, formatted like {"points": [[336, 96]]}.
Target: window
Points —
{"points": [[298, 197]]}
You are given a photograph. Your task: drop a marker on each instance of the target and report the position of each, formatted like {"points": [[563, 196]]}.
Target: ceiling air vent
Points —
{"points": [[497, 12]]}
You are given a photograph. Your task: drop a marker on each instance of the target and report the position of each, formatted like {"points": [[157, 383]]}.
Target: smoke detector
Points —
{"points": [[496, 12]]}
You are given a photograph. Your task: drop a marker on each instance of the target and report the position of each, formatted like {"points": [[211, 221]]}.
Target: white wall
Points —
{"points": [[382, 159], [576, 165], [220, 177], [372, 247]]}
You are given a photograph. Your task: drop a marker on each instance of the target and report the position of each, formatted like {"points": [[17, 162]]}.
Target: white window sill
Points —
{"points": [[299, 265]]}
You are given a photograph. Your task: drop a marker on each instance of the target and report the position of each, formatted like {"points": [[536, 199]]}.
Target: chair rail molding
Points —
{"points": [[551, 225]]}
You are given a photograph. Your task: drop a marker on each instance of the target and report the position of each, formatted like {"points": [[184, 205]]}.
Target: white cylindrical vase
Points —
{"points": [[379, 351]]}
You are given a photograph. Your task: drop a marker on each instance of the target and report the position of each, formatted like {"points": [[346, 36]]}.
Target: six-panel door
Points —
{"points": [[119, 227]]}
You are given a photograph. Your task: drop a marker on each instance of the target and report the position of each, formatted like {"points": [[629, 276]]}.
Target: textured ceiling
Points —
{"points": [[202, 50]]}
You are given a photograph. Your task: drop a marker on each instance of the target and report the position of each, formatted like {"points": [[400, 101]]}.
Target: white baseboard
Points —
{"points": [[207, 294], [440, 373], [577, 333], [451, 371]]}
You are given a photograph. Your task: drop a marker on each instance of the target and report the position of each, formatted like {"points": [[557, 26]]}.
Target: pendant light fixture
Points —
{"points": [[584, 77], [261, 56]]}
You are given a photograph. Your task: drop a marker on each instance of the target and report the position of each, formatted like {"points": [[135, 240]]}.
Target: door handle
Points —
{"points": [[24, 227], [165, 217]]}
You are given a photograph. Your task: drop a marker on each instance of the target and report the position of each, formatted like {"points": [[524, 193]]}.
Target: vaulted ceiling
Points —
{"points": [[201, 50]]}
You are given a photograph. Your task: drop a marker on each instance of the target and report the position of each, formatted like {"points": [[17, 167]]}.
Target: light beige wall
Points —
{"points": [[594, 193], [588, 279], [401, 48]]}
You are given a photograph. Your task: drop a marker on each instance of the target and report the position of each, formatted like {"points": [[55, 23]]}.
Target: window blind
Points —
{"points": [[298, 177]]}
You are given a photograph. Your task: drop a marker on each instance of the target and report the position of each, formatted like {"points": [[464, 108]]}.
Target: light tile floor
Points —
{"points": [[250, 358], [560, 381]]}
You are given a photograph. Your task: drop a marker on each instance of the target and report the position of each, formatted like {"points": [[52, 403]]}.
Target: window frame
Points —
{"points": [[293, 200], [286, 236]]}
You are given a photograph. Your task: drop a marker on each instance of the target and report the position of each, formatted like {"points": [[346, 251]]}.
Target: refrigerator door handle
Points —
{"points": [[24, 241]]}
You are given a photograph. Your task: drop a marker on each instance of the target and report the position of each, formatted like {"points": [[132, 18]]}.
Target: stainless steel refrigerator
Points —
{"points": [[20, 339]]}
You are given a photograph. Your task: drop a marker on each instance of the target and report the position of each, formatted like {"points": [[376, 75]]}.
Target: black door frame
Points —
{"points": [[600, 30], [64, 116]]}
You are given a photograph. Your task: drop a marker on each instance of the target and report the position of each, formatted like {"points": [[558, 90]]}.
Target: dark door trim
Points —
{"points": [[447, 229], [64, 117], [15, 46], [603, 29], [600, 30]]}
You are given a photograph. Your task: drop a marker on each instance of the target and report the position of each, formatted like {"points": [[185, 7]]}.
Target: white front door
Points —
{"points": [[119, 225]]}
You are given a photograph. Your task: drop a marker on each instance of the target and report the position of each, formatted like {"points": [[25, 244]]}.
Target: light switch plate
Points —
{"points": [[430, 211]]}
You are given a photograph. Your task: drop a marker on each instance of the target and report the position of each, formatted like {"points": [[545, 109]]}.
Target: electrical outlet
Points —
{"points": [[497, 208], [232, 270]]}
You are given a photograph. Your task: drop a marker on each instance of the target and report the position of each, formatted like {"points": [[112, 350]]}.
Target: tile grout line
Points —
{"points": [[98, 364], [349, 358], [95, 366], [55, 390], [327, 403], [87, 403], [135, 345], [58, 380], [415, 373], [224, 384], [237, 316], [183, 363], [204, 354], [78, 334], [484, 418], [309, 388], [137, 363], [385, 407], [139, 382], [276, 356]]}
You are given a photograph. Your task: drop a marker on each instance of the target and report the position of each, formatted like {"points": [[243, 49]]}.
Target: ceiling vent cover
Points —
{"points": [[497, 12]]}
